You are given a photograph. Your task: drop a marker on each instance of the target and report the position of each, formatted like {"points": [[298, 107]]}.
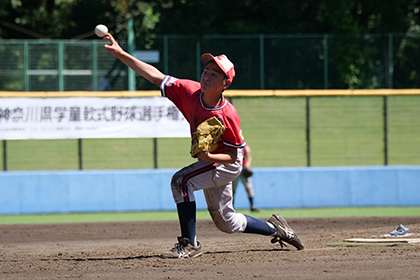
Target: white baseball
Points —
{"points": [[101, 30]]}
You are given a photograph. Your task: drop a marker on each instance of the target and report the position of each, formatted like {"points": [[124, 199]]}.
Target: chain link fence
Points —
{"points": [[261, 61], [282, 131]]}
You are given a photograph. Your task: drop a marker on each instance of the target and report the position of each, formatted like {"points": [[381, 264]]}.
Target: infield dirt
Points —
{"points": [[130, 250]]}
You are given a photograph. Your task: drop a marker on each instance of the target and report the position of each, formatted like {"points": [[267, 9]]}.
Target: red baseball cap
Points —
{"points": [[223, 62]]}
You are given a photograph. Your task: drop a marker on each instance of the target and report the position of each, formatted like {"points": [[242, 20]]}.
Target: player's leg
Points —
{"points": [[220, 205], [187, 246], [184, 198], [224, 215], [248, 186], [183, 193], [194, 177], [187, 220], [234, 187], [247, 181]]}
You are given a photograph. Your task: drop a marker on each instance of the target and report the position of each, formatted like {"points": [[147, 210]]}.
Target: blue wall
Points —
{"points": [[137, 190]]}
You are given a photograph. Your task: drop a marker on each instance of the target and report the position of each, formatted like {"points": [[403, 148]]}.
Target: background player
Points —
{"points": [[213, 172], [245, 178]]}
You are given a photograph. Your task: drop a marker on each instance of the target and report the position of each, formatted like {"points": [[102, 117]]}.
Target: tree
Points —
{"points": [[286, 16], [356, 58], [73, 19]]}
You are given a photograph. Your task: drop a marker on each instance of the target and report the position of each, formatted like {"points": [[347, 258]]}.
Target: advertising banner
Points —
{"points": [[85, 117]]}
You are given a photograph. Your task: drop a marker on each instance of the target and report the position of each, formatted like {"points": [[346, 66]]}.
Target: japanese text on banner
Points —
{"points": [[61, 118]]}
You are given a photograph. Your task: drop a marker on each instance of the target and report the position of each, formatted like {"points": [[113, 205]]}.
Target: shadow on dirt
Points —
{"points": [[155, 256]]}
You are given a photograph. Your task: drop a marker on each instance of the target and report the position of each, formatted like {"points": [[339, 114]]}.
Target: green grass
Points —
{"points": [[345, 131], [202, 214]]}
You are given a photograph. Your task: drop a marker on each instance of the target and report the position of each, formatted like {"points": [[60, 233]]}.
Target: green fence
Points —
{"points": [[56, 65], [282, 131], [317, 61]]}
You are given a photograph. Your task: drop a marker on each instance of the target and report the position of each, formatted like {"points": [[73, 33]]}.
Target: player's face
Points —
{"points": [[213, 79]]}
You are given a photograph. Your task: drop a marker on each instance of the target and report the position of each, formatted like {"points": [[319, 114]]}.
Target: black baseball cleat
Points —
{"points": [[284, 232]]}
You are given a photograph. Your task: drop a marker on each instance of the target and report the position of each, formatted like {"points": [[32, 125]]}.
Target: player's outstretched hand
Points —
{"points": [[113, 47]]}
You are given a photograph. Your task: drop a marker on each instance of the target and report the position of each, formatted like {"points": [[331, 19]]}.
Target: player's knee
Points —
{"points": [[176, 187], [219, 221], [225, 223]]}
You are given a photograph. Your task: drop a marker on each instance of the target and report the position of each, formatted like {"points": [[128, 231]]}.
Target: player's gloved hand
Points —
{"points": [[206, 137], [247, 172]]}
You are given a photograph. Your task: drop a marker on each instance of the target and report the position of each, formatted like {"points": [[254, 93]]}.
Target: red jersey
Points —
{"points": [[187, 97]]}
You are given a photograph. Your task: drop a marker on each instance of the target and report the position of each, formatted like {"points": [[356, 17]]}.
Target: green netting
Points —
{"points": [[266, 61], [404, 130], [344, 131], [347, 131]]}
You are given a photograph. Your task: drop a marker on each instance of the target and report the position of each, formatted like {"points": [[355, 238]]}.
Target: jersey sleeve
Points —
{"points": [[233, 137], [179, 91], [170, 87]]}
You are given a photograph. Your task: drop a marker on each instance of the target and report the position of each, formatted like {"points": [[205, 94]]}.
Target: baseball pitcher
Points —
{"points": [[217, 143]]}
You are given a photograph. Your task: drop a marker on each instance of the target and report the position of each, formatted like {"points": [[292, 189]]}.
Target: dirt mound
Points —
{"points": [[130, 250]]}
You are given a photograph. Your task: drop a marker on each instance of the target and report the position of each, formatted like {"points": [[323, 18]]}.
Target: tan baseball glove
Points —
{"points": [[206, 137]]}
